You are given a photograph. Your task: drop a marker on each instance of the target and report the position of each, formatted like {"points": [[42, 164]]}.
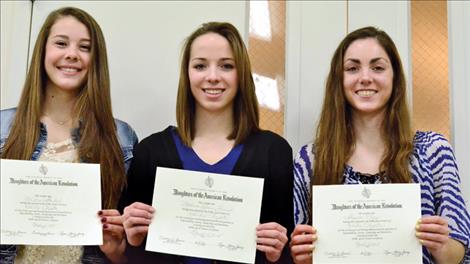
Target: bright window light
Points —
{"points": [[267, 92], [260, 26]]}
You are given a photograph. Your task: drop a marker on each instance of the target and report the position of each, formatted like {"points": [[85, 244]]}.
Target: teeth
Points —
{"points": [[69, 69], [213, 91], [366, 93]]}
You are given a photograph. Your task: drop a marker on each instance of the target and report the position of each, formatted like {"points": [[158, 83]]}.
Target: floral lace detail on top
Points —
{"points": [[65, 151]]}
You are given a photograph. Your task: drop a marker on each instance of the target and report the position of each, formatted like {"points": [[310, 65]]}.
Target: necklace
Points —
{"points": [[59, 122]]}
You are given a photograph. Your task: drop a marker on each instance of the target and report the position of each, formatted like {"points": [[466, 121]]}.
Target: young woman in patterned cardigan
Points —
{"points": [[364, 137]]}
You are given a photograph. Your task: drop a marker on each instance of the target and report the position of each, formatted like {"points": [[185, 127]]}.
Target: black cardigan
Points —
{"points": [[264, 155]]}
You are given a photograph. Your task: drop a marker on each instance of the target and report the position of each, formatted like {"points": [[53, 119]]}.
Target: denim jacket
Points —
{"points": [[127, 139]]}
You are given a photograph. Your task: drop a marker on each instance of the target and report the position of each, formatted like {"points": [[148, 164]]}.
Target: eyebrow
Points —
{"points": [[204, 59], [374, 60], [66, 37]]}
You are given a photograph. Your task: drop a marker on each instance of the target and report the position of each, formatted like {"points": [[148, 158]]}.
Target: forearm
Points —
{"points": [[452, 253], [116, 258]]}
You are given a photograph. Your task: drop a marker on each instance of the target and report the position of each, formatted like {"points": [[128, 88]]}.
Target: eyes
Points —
{"points": [[61, 44], [356, 68], [225, 66]]}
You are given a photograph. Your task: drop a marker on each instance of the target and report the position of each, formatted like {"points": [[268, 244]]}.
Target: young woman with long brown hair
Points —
{"points": [[364, 136], [217, 116], [64, 115]]}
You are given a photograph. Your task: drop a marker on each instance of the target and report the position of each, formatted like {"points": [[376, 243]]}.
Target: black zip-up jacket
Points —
{"points": [[264, 155]]}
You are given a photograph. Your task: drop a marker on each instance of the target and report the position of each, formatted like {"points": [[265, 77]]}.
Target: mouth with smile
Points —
{"points": [[69, 70], [366, 93], [213, 91]]}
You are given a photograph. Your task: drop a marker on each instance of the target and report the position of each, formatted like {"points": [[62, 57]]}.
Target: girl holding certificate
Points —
{"points": [[365, 137], [218, 131], [64, 115]]}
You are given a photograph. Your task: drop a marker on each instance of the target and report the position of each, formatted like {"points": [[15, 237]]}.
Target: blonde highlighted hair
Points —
{"points": [[97, 130]]}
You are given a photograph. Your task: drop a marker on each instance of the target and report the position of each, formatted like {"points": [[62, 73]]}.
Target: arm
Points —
{"points": [[433, 233], [114, 243], [272, 236], [135, 200], [446, 235], [303, 164], [302, 243], [136, 220], [304, 236]]}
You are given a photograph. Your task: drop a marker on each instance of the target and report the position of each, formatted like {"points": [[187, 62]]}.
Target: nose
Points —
{"points": [[72, 54], [213, 75], [365, 78]]}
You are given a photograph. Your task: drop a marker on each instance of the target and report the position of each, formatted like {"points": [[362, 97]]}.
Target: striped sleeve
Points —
{"points": [[448, 199], [302, 176]]}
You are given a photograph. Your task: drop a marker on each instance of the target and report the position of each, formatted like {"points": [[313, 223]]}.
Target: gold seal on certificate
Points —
{"points": [[50, 203], [366, 223], [205, 215]]}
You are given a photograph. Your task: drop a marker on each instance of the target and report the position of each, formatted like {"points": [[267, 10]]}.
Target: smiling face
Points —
{"points": [[212, 73], [367, 77], [67, 55]]}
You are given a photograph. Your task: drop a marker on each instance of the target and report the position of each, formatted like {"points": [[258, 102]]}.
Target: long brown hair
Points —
{"points": [[245, 107], [335, 139], [98, 139]]}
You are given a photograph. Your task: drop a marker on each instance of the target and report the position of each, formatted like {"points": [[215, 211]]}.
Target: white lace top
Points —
{"points": [[64, 151]]}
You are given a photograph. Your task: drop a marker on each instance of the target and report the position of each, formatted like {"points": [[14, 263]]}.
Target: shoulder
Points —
{"points": [[430, 143], [7, 115], [432, 158], [305, 154], [125, 133], [6, 119], [267, 138], [157, 139]]}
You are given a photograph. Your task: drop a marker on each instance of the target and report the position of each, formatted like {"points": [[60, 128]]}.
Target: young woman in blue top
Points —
{"points": [[217, 116], [64, 115], [364, 136]]}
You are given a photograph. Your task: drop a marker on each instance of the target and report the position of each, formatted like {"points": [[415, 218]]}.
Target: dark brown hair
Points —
{"points": [[335, 139]]}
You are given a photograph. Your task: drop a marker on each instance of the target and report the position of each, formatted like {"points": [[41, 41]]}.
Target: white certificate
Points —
{"points": [[373, 223], [50, 203], [205, 215]]}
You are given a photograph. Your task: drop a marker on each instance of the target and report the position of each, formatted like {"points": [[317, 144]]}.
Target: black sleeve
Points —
{"points": [[282, 169], [279, 189], [148, 154], [140, 177]]}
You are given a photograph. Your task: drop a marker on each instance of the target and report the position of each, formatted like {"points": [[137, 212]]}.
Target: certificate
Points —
{"points": [[205, 215], [372, 223], [50, 203]]}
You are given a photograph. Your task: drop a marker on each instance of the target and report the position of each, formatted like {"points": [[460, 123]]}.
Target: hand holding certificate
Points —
{"points": [[205, 215], [366, 223], [48, 203]]}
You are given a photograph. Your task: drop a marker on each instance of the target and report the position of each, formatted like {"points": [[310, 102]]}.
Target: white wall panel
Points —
{"points": [[390, 16], [315, 28], [144, 41], [459, 70], [15, 23]]}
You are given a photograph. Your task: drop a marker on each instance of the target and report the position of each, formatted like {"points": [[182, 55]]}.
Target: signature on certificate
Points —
{"points": [[338, 254], [231, 247], [12, 233], [171, 240], [396, 253], [43, 233], [72, 234]]}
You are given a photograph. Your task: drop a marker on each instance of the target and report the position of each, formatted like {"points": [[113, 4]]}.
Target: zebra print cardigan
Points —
{"points": [[432, 165]]}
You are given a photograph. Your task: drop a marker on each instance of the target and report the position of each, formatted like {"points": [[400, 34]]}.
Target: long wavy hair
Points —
{"points": [[245, 107], [97, 130], [335, 139]]}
